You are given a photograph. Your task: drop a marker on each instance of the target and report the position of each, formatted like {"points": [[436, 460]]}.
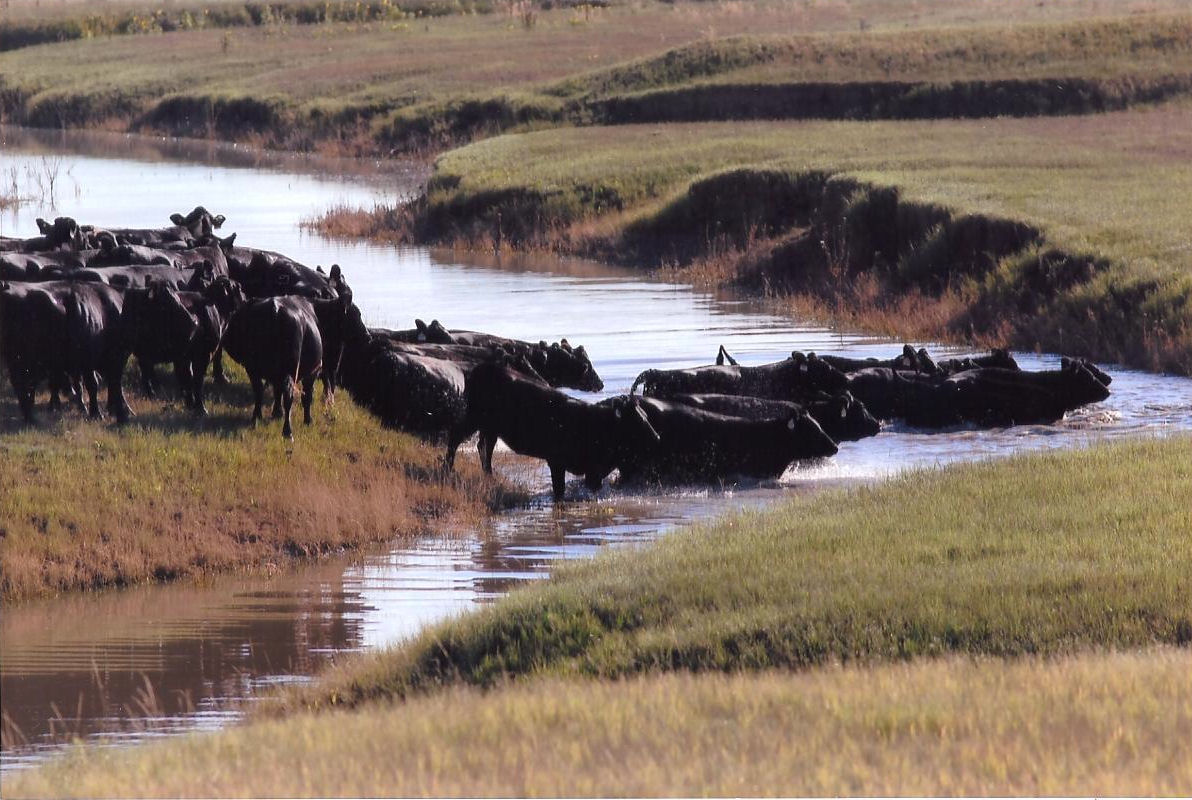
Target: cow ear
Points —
{"points": [[420, 325], [790, 424], [218, 220], [319, 269], [843, 408], [177, 219]]}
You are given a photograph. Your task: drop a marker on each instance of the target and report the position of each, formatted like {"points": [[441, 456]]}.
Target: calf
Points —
{"points": [[536, 420], [277, 340], [698, 445]]}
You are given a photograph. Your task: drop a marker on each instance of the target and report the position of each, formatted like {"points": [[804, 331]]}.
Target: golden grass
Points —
{"points": [[1095, 724], [85, 504]]}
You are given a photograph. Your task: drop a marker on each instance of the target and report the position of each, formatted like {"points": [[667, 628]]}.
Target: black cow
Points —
{"points": [[698, 445], [277, 340], [795, 378], [999, 358], [536, 420], [63, 232], [841, 416], [195, 229], [993, 396], [263, 273], [137, 277], [95, 343], [558, 363], [922, 400], [184, 328], [420, 394], [909, 360], [33, 339]]}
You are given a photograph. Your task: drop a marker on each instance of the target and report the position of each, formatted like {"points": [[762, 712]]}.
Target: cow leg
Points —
{"points": [[182, 374], [198, 372], [276, 412], [117, 405], [285, 391], [485, 445], [594, 481], [455, 437], [258, 394], [148, 378], [91, 383], [22, 387], [558, 480], [217, 370], [308, 396]]}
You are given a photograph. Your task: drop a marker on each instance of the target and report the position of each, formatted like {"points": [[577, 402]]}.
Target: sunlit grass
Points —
{"points": [[86, 504], [424, 83], [1090, 725], [1030, 555]]}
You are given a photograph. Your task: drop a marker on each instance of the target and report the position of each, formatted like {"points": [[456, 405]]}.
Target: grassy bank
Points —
{"points": [[1038, 554], [1065, 235], [85, 505], [1116, 724], [430, 83]]}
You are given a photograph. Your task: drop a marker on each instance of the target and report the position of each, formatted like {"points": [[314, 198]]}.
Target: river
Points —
{"points": [[135, 664]]}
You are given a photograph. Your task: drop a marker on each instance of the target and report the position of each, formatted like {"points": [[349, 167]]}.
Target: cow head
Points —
{"points": [[633, 423], [200, 222], [818, 375], [202, 277], [1000, 357], [1075, 364], [810, 436], [64, 231], [563, 365], [926, 364], [225, 294]]}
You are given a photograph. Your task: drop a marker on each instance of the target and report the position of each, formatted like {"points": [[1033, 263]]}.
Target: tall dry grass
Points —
{"points": [[1094, 724], [84, 504]]}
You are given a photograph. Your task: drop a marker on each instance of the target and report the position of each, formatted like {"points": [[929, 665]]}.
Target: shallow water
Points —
{"points": [[141, 663]]}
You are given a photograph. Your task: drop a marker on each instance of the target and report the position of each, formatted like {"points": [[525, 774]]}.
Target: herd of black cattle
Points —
{"points": [[77, 301]]}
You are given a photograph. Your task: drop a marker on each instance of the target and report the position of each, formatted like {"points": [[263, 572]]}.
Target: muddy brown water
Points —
{"points": [[127, 666]]}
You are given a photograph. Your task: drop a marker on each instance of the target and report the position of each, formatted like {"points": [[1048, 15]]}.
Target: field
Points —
{"points": [[86, 505], [423, 84], [1060, 559]]}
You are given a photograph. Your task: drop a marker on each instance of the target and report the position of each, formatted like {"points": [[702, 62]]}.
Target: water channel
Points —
{"points": [[134, 664]]}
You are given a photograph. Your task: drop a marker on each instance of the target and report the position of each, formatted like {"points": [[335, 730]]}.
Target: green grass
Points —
{"points": [[1093, 724], [1062, 233], [86, 504], [430, 82], [1033, 555]]}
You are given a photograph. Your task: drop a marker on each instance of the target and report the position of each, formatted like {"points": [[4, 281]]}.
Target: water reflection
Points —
{"points": [[148, 661]]}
